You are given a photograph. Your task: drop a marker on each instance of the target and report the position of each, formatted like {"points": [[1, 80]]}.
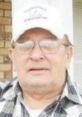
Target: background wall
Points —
{"points": [[78, 42], [5, 36]]}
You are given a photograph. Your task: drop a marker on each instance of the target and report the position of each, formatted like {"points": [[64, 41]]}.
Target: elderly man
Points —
{"points": [[41, 53]]}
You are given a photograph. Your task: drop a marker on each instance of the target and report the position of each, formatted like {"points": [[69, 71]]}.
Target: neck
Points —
{"points": [[40, 101], [41, 97]]}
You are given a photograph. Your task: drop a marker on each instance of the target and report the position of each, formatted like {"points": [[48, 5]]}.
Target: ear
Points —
{"points": [[11, 54], [69, 54]]}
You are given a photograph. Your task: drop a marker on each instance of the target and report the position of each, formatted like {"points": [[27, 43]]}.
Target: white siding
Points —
{"points": [[78, 41]]}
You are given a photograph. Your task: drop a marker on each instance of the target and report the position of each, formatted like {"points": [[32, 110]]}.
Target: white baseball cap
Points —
{"points": [[36, 16]]}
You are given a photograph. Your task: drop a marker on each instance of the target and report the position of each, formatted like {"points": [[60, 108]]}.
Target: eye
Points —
{"points": [[28, 44], [49, 43]]}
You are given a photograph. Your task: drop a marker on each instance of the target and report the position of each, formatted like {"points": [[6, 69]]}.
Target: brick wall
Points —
{"points": [[5, 36]]}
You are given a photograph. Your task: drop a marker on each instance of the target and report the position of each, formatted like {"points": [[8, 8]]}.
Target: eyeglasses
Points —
{"points": [[47, 46]]}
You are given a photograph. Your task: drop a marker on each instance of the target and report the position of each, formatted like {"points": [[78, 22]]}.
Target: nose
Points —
{"points": [[36, 54]]}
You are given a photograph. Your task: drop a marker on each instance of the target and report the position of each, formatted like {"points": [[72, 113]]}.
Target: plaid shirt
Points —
{"points": [[69, 105]]}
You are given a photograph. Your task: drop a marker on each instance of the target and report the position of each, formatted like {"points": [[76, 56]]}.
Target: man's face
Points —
{"points": [[37, 70]]}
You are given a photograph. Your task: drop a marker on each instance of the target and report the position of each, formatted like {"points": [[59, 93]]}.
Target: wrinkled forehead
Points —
{"points": [[36, 33]]}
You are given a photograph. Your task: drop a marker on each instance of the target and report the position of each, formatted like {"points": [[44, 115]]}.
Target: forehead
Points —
{"points": [[35, 33]]}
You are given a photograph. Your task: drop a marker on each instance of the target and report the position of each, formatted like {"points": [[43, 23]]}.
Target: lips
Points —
{"points": [[37, 70]]}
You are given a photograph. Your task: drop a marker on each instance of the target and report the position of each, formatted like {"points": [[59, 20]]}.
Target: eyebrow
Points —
{"points": [[20, 40], [51, 37]]}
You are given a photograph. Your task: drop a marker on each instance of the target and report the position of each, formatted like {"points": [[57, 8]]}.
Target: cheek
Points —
{"points": [[19, 64], [57, 62]]}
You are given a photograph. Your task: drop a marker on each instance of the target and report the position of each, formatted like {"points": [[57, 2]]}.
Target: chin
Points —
{"points": [[39, 78]]}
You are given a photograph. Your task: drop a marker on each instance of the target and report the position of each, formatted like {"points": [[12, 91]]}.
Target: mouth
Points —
{"points": [[38, 70]]}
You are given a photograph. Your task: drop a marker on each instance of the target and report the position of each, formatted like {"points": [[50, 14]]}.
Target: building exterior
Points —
{"points": [[5, 36], [77, 21]]}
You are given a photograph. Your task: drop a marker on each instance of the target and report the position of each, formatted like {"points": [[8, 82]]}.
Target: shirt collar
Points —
{"points": [[69, 91]]}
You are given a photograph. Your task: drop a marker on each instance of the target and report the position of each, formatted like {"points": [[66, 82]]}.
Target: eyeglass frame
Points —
{"points": [[19, 44]]}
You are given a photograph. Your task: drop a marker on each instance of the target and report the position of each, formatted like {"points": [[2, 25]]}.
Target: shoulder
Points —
{"points": [[3, 85], [7, 93], [6, 86], [75, 107]]}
